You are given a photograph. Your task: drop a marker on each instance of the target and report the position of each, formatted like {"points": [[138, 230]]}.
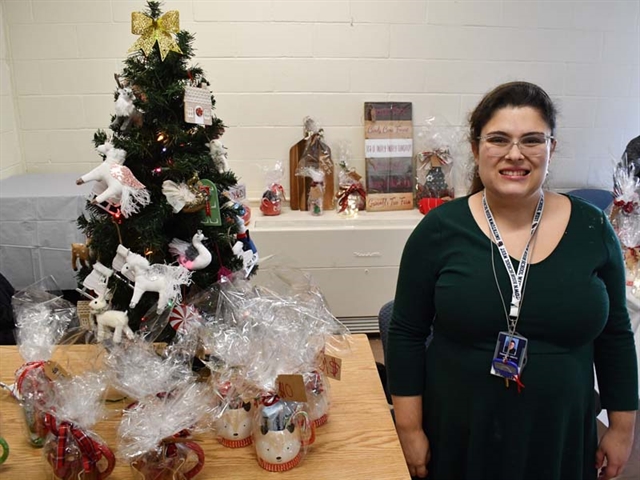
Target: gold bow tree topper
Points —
{"points": [[152, 31]]}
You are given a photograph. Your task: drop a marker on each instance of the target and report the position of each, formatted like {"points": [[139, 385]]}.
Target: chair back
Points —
{"points": [[600, 198]]}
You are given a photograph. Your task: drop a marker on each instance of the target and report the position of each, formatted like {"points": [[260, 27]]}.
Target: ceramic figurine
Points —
{"points": [[234, 426], [278, 434]]}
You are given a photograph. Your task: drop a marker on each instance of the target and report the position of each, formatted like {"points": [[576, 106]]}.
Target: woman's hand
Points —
{"points": [[417, 453], [615, 446]]}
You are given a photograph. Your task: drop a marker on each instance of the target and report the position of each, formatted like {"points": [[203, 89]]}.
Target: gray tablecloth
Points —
{"points": [[37, 226]]}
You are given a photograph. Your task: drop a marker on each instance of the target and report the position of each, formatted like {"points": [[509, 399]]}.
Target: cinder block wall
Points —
{"points": [[10, 156], [273, 62]]}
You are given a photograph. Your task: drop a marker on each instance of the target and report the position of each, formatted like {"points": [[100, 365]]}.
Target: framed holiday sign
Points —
{"points": [[388, 143]]}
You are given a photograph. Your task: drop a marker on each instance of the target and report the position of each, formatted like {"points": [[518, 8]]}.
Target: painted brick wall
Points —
{"points": [[273, 62], [10, 156]]}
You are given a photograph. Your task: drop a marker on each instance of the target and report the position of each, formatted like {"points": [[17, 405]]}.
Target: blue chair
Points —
{"points": [[600, 198]]}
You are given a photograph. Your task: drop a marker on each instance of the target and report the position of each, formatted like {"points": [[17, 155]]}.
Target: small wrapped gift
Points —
{"points": [[42, 318], [273, 196], [155, 434], [72, 450]]}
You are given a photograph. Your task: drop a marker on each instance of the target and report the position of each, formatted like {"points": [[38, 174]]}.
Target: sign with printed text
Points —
{"points": [[331, 366], [291, 388], [388, 146], [389, 201]]}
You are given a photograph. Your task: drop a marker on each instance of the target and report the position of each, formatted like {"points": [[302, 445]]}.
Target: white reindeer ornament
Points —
{"points": [[116, 182], [108, 320], [164, 279]]}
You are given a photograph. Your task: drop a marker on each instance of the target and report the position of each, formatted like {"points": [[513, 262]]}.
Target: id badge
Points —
{"points": [[510, 356]]}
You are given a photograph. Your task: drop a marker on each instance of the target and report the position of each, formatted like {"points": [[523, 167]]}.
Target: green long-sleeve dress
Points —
{"points": [[573, 313]]}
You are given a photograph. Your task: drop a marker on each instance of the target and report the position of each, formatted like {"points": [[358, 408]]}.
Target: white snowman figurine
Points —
{"points": [[277, 434]]}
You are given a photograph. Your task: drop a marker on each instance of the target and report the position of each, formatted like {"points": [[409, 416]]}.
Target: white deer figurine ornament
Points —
{"points": [[164, 279], [116, 182], [108, 320]]}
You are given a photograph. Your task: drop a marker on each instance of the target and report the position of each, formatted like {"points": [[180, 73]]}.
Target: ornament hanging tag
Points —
{"points": [[291, 388], [197, 106], [211, 214]]}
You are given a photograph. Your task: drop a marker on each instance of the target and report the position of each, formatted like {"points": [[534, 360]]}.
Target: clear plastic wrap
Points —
{"points": [[625, 217], [273, 196], [318, 401], [255, 332], [316, 154], [439, 163], [312, 171], [154, 434], [315, 196], [351, 195], [261, 332], [42, 318], [139, 372], [280, 433], [72, 450], [234, 427]]}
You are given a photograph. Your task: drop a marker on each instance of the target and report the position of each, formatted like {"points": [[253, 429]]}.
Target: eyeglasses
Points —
{"points": [[530, 144]]}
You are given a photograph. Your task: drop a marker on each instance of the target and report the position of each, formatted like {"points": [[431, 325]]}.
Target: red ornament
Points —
{"points": [[199, 111]]}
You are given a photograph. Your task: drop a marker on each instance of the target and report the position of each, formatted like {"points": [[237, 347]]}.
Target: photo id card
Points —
{"points": [[510, 355]]}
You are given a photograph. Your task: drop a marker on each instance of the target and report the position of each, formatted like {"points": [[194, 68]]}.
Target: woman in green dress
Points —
{"points": [[512, 261]]}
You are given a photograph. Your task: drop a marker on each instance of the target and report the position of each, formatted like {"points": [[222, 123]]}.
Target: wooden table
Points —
{"points": [[358, 442]]}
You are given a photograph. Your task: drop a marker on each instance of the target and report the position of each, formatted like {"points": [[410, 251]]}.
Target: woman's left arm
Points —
{"points": [[616, 364], [616, 444]]}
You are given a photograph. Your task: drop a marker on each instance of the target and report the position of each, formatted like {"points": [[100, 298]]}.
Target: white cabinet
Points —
{"points": [[354, 261]]}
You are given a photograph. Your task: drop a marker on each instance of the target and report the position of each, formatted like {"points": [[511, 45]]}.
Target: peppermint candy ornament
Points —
{"points": [[182, 313]]}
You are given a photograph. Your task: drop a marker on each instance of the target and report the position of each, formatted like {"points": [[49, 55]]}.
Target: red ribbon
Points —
{"points": [[627, 207], [343, 196], [172, 449], [268, 399], [22, 372], [91, 450], [519, 383]]}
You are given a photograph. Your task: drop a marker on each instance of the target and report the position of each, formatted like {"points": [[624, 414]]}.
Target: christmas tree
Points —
{"points": [[166, 173]]}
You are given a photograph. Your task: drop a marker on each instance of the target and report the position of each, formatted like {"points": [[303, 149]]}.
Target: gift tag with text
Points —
{"points": [[331, 366], [54, 371], [291, 388]]}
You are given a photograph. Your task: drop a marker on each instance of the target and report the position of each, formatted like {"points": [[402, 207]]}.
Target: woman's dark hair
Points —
{"points": [[512, 94]]}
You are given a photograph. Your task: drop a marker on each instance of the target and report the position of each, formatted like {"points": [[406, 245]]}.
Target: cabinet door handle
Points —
{"points": [[367, 254]]}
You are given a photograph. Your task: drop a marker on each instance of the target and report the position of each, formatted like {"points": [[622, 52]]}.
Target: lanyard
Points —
{"points": [[516, 278]]}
